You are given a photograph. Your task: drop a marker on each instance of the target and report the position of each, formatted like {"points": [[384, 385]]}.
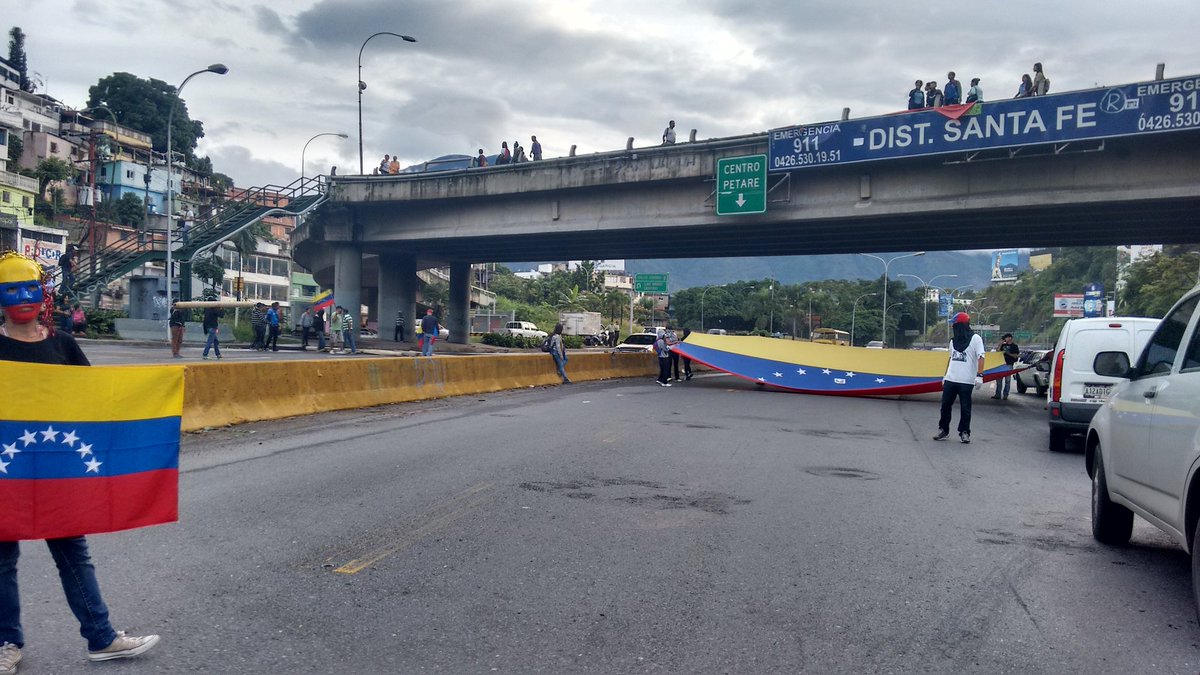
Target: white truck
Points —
{"points": [[581, 323], [524, 329]]}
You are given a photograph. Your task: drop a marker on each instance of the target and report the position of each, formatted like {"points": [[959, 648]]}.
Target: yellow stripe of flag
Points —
{"points": [[38, 392]]}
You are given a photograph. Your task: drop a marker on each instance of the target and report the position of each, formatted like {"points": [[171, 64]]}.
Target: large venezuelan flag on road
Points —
{"points": [[87, 449]]}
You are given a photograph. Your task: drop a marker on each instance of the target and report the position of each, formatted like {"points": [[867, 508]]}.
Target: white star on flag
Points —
{"points": [[879, 380], [10, 450], [84, 450], [778, 374], [824, 371], [801, 371], [849, 374], [4, 467], [93, 466], [28, 438], [69, 438], [762, 379], [49, 434]]}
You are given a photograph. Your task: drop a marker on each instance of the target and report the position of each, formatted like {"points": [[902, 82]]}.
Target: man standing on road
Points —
{"points": [[273, 326], [176, 323], [672, 339], [664, 359], [348, 330], [429, 332], [963, 374], [306, 322], [212, 329], [398, 335], [687, 363], [318, 325], [558, 350], [1011, 354], [258, 321]]}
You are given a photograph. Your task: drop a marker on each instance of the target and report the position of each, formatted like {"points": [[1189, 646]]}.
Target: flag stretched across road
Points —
{"points": [[323, 300], [87, 449]]}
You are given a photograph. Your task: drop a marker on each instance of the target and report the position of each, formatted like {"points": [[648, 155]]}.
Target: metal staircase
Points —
{"points": [[109, 263]]}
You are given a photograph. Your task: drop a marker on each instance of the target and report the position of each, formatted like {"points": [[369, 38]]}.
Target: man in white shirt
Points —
{"points": [[669, 134], [963, 375]]}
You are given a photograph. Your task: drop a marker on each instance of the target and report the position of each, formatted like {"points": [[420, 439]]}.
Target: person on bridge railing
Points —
{"points": [[1026, 88], [1041, 84], [975, 93], [933, 95], [535, 149], [384, 163], [394, 165], [916, 96], [481, 159], [668, 137], [953, 90], [518, 153], [504, 157]]}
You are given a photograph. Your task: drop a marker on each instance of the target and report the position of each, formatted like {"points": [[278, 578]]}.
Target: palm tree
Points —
{"points": [[613, 302]]}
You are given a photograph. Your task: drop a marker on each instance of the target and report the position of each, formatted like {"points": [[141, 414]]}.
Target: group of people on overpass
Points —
{"points": [[928, 95], [516, 155]]}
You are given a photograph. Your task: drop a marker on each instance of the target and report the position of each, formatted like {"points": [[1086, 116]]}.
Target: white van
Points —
{"points": [[1076, 390]]}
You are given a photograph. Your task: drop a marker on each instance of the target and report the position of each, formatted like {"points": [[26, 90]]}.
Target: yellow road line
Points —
{"points": [[372, 557]]}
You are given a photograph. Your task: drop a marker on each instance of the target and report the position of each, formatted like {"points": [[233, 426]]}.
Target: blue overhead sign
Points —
{"points": [[1128, 110]]}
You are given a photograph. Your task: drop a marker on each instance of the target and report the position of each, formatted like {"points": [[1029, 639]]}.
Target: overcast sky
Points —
{"points": [[590, 73]]}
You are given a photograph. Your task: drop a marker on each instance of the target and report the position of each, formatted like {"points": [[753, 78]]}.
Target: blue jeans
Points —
{"points": [[560, 360], [78, 577], [950, 391], [213, 342], [321, 339], [1007, 382], [427, 345], [348, 338]]}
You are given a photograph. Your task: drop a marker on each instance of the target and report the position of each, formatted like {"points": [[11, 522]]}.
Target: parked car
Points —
{"points": [[443, 332], [524, 329], [1142, 449], [638, 342], [875, 344], [716, 331], [1036, 371], [1076, 389]]}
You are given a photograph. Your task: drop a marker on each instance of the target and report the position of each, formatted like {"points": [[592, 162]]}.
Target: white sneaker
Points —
{"points": [[10, 656], [124, 647]]}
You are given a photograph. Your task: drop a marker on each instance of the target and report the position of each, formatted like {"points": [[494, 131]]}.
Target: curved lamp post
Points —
{"points": [[852, 311], [886, 264], [219, 69], [702, 304], [363, 85], [327, 133], [925, 291], [884, 336]]}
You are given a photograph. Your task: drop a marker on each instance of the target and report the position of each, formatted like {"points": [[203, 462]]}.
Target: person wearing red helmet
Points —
{"points": [[964, 374]]}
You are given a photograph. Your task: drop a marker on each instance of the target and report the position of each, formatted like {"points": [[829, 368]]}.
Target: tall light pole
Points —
{"points": [[327, 133], [702, 304], [219, 69], [887, 263], [852, 311], [884, 337], [363, 85], [925, 292]]}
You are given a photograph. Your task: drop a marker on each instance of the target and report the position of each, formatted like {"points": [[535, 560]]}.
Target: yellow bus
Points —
{"points": [[830, 336]]}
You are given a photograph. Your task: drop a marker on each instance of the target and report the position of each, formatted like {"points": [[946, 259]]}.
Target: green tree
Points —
{"points": [[17, 58], [130, 210], [1152, 285], [145, 105], [49, 170], [210, 270]]}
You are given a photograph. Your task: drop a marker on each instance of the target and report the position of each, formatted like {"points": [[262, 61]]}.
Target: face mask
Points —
{"points": [[20, 288]]}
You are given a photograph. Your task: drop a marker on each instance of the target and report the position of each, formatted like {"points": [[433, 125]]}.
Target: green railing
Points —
{"points": [[95, 270]]}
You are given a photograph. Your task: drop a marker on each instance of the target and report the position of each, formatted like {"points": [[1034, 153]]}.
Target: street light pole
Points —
{"points": [[702, 304], [887, 263], [852, 311], [219, 69], [925, 292], [363, 85], [327, 133], [884, 337]]}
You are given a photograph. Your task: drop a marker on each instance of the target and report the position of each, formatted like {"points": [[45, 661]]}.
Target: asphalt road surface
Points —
{"points": [[620, 527]]}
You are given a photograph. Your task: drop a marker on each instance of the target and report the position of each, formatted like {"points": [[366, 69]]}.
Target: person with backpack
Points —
{"points": [[975, 93], [1041, 84], [558, 350]]}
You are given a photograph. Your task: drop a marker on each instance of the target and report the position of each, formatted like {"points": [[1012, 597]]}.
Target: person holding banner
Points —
{"points": [[25, 338]]}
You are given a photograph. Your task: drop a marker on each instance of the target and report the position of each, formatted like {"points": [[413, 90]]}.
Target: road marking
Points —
{"points": [[465, 506]]}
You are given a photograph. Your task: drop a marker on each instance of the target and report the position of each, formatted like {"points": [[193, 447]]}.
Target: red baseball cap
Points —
{"points": [[961, 317]]}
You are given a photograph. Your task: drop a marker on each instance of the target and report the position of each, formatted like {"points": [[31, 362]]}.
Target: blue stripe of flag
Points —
{"points": [[121, 448]]}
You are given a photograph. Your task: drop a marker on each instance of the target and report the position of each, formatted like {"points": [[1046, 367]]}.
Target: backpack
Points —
{"points": [[546, 345]]}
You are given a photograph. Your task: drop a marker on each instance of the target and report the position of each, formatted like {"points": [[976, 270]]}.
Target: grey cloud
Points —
{"points": [[268, 21]]}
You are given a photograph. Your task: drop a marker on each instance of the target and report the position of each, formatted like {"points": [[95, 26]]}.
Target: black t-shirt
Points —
{"points": [[1012, 353], [59, 349]]}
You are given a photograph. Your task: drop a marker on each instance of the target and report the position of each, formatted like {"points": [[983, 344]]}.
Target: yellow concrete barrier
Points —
{"points": [[217, 394]]}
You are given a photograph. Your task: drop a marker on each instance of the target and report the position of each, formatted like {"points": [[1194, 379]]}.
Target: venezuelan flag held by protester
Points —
{"points": [[87, 450]]}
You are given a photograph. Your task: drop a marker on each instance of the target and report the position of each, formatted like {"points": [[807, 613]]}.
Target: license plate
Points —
{"points": [[1096, 392]]}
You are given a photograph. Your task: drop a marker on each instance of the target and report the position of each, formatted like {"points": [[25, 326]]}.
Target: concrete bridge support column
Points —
{"points": [[458, 314], [347, 279], [397, 293]]}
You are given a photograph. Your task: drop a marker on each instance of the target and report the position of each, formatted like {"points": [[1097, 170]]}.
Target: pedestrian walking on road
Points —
{"points": [[258, 321], [212, 329], [687, 363], [306, 320], [964, 374], [672, 339], [558, 350], [273, 322], [335, 331], [398, 334], [348, 330], [429, 332], [25, 339], [175, 321], [318, 326]]}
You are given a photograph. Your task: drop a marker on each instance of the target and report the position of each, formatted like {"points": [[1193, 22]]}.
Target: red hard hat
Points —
{"points": [[961, 317]]}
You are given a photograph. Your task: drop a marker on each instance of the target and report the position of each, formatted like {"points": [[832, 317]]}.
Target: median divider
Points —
{"points": [[219, 394]]}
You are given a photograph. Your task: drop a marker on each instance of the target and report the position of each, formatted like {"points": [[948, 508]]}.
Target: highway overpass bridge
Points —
{"points": [[1030, 190]]}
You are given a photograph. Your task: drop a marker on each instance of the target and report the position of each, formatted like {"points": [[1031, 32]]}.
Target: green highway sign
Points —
{"points": [[741, 185], [650, 283]]}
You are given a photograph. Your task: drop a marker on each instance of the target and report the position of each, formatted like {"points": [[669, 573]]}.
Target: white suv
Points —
{"points": [[524, 329], [1143, 446]]}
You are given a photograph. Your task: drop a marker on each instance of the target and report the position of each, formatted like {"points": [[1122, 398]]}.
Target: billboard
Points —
{"points": [[1005, 265], [1093, 300], [1068, 305]]}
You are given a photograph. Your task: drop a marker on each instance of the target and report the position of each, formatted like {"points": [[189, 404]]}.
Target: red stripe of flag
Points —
{"points": [[67, 507]]}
